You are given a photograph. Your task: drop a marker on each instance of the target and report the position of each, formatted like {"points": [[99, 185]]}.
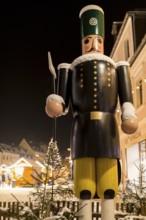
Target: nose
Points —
{"points": [[94, 44]]}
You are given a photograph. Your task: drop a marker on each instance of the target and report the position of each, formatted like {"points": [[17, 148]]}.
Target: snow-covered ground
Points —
{"points": [[22, 194]]}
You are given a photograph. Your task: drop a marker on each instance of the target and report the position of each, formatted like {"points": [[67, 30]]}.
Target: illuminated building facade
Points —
{"points": [[130, 45]]}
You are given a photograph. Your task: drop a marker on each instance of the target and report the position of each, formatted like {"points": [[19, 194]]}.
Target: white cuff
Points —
{"points": [[128, 111], [56, 97], [122, 63]]}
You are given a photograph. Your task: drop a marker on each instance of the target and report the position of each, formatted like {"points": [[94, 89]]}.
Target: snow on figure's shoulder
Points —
{"points": [[89, 57]]}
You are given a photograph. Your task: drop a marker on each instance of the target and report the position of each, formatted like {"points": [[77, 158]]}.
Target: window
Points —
{"points": [[142, 151], [126, 49], [132, 154], [139, 91], [136, 155]]}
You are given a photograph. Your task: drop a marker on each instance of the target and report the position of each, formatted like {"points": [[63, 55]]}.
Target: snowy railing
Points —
{"points": [[8, 210]]}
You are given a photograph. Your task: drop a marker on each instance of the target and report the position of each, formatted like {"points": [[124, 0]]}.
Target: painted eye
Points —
{"points": [[86, 41], [99, 41]]}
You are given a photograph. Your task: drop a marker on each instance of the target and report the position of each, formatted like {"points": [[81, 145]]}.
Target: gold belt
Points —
{"points": [[95, 115]]}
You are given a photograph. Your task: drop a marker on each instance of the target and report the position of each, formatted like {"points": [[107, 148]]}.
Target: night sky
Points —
{"points": [[27, 33]]}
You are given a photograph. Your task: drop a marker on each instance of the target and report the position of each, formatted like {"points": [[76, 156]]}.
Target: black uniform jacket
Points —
{"points": [[92, 85]]}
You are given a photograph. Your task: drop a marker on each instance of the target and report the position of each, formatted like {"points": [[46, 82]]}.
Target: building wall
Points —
{"points": [[124, 45], [8, 158], [138, 72], [131, 144]]}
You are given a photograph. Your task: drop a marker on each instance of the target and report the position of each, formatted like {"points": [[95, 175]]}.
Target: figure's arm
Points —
{"points": [[129, 119], [58, 104]]}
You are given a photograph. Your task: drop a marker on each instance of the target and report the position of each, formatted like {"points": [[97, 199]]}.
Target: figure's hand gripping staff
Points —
{"points": [[54, 103], [58, 104]]}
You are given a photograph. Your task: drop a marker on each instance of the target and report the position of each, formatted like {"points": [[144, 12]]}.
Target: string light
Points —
{"points": [[140, 83]]}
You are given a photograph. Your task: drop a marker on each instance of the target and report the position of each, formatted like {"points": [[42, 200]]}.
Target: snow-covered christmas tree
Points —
{"points": [[54, 183], [134, 195], [53, 157]]}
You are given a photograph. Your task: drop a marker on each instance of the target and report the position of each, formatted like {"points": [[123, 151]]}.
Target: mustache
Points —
{"points": [[92, 48]]}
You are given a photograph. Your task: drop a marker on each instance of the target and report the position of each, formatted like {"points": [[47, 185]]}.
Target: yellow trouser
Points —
{"points": [[95, 175]]}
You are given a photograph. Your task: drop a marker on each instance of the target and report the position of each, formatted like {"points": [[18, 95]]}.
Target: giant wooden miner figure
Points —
{"points": [[91, 84]]}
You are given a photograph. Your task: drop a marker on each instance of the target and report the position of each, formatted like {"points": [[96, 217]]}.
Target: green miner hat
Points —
{"points": [[92, 20]]}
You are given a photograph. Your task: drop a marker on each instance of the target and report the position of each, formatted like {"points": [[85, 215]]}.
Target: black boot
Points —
{"points": [[109, 194], [85, 194]]}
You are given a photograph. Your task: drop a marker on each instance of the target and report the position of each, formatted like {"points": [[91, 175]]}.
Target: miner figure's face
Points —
{"points": [[92, 44]]}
